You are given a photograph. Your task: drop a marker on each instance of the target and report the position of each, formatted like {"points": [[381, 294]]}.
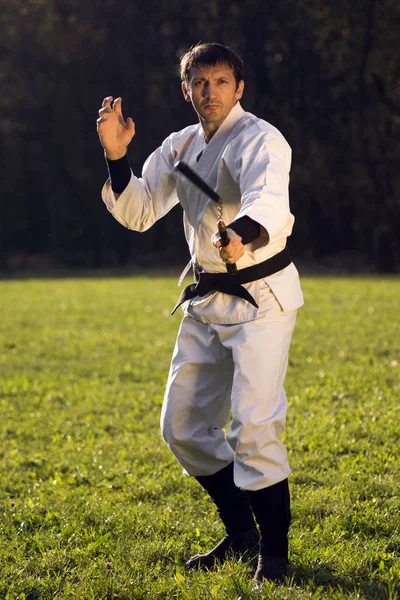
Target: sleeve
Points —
{"points": [[262, 171], [248, 229], [147, 199], [119, 172]]}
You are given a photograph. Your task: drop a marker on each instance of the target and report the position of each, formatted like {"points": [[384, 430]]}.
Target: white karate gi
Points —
{"points": [[229, 355]]}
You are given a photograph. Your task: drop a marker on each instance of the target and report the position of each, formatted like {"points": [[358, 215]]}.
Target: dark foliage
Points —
{"points": [[326, 74]]}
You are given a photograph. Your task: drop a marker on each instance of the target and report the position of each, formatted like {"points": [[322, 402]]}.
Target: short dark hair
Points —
{"points": [[211, 54]]}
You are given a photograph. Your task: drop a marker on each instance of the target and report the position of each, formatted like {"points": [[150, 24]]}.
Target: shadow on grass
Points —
{"points": [[322, 577]]}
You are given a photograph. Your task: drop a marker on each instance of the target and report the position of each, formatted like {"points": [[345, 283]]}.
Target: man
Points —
{"points": [[231, 352]]}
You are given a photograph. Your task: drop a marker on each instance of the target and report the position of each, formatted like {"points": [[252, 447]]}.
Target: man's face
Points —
{"points": [[213, 92]]}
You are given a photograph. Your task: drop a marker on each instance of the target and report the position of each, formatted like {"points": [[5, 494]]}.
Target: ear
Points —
{"points": [[240, 90], [185, 92]]}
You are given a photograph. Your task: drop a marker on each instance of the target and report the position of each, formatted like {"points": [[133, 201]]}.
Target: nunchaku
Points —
{"points": [[183, 168]]}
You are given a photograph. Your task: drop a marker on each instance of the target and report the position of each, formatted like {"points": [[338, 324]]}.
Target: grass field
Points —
{"points": [[95, 507]]}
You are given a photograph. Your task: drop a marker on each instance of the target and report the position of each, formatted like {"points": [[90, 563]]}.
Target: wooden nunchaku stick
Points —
{"points": [[183, 168]]}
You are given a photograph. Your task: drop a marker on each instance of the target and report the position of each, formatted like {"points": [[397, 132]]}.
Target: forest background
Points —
{"points": [[327, 74]]}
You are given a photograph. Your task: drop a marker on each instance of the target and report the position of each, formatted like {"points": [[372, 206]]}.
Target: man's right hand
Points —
{"points": [[114, 132]]}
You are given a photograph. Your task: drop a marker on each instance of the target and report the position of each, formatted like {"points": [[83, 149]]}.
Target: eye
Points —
{"points": [[223, 81]]}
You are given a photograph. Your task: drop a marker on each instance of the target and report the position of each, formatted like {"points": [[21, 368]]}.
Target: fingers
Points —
{"points": [[104, 111], [109, 107], [107, 102], [216, 240], [105, 106], [233, 250], [229, 255], [130, 125], [117, 106], [233, 239]]}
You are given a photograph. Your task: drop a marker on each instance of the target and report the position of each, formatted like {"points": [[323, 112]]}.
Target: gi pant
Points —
{"points": [[240, 368]]}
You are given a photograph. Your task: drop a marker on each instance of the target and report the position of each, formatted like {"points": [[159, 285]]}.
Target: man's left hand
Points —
{"points": [[232, 251]]}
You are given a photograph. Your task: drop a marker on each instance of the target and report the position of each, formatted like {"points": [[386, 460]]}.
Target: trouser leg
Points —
{"points": [[197, 400], [260, 351]]}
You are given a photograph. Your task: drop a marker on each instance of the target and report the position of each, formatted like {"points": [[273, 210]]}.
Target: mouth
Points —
{"points": [[212, 106]]}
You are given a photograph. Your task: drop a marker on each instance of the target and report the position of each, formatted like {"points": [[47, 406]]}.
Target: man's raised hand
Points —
{"points": [[114, 132]]}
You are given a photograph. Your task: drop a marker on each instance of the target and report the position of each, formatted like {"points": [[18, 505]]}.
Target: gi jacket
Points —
{"points": [[247, 162]]}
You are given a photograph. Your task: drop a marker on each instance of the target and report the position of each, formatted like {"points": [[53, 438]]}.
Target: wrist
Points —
{"points": [[115, 154]]}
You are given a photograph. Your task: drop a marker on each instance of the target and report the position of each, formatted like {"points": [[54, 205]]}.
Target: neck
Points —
{"points": [[209, 129]]}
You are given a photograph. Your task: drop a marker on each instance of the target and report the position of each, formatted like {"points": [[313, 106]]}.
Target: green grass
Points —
{"points": [[95, 507]]}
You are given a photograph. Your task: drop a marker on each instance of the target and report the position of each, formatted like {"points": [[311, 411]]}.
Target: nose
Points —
{"points": [[210, 90]]}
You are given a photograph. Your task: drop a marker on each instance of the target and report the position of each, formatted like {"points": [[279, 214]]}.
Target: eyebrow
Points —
{"points": [[217, 77]]}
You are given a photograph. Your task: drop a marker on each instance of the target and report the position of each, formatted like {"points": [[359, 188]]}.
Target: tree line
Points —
{"points": [[326, 74]]}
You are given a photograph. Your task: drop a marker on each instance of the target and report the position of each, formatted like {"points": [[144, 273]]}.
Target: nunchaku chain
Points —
{"points": [[220, 208], [221, 225]]}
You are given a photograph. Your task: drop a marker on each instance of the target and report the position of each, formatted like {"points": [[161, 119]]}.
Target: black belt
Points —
{"points": [[231, 283]]}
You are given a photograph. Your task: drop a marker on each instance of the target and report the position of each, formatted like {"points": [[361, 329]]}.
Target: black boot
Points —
{"points": [[242, 536], [271, 507]]}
